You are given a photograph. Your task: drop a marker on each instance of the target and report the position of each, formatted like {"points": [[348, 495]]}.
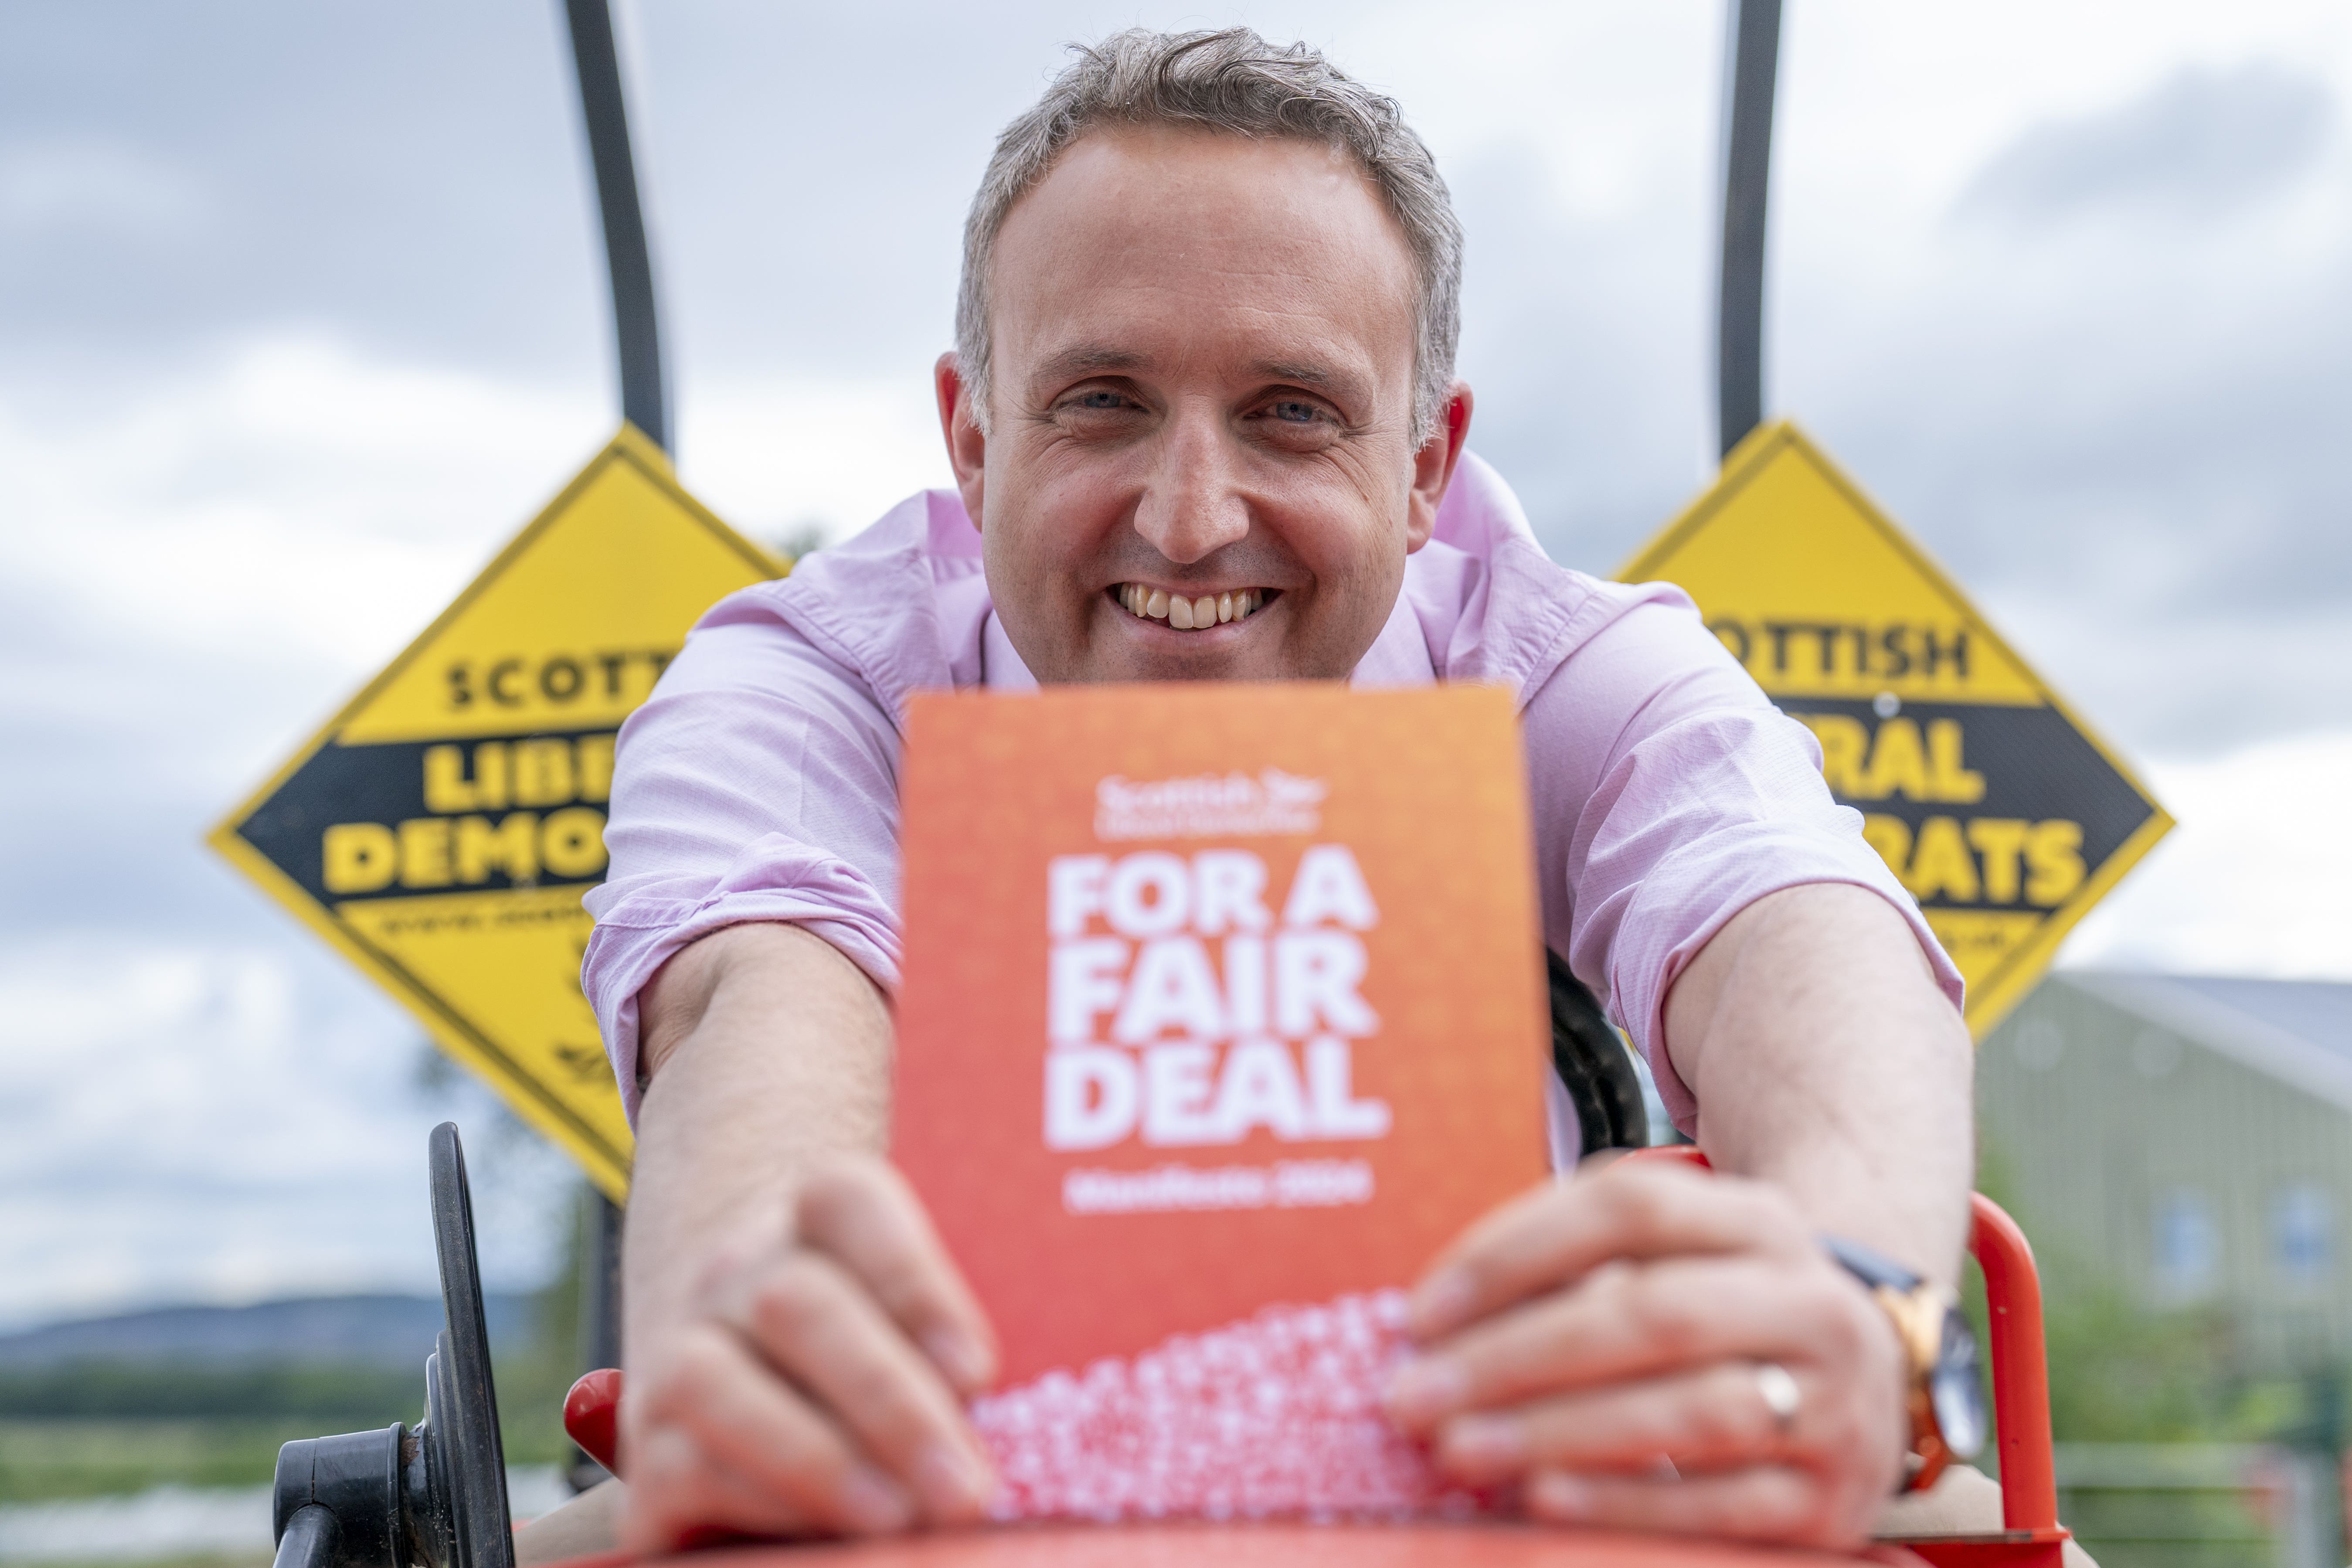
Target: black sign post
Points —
{"points": [[1751, 64], [636, 324], [645, 403]]}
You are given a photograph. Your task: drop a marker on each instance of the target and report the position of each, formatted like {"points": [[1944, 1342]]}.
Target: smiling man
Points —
{"points": [[1204, 425]]}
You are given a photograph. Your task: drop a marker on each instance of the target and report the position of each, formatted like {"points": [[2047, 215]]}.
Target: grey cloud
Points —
{"points": [[169, 174], [122, 753], [48, 187], [2130, 452], [2133, 442], [1581, 344], [2201, 141]]}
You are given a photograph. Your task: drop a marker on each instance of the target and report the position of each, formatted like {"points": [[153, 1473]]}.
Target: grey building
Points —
{"points": [[2190, 1137]]}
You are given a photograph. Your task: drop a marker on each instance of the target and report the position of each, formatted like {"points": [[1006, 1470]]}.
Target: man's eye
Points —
{"points": [[1291, 411], [1093, 400]]}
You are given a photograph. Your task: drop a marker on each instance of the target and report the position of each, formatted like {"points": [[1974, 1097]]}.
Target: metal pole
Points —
{"points": [[600, 1317], [600, 1310], [1751, 64], [645, 400], [645, 403]]}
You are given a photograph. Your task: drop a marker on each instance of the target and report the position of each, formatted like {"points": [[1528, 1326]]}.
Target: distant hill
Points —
{"points": [[387, 1331]]}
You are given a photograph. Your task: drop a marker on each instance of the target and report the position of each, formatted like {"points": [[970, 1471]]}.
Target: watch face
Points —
{"points": [[1957, 1392]]}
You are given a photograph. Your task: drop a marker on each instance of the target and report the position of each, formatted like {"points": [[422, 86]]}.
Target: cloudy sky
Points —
{"points": [[301, 315]]}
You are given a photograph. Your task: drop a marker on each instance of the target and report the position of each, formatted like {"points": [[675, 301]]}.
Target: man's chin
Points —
{"points": [[1183, 664]]}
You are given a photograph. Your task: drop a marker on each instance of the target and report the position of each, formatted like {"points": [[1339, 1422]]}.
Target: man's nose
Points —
{"points": [[1192, 505]]}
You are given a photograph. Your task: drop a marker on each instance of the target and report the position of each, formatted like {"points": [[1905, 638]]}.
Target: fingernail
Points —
{"points": [[1423, 1389], [954, 1483], [1441, 1302], [964, 1359], [1555, 1495], [1484, 1443], [872, 1502]]}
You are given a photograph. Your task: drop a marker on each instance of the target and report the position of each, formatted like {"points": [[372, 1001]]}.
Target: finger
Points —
{"points": [[1704, 1419], [1769, 1502], [816, 1324], [682, 1494], [864, 1214], [1626, 1321], [1563, 1230], [735, 1412]]}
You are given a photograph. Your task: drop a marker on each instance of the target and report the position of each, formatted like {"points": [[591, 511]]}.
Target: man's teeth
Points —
{"points": [[1185, 615]]}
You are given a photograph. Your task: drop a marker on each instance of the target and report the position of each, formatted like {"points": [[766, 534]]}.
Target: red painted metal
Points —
{"points": [[2010, 1549], [2031, 1536], [2021, 1368], [592, 1415], [1275, 1546]]}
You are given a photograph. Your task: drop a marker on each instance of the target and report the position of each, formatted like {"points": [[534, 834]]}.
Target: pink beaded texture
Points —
{"points": [[1276, 1416]]}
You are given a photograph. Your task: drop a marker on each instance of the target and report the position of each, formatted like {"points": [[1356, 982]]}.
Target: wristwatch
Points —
{"points": [[1945, 1399]]}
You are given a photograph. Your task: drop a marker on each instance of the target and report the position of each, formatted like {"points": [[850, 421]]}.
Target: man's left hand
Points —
{"points": [[1607, 1342]]}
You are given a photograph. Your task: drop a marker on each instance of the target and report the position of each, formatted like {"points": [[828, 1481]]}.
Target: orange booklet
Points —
{"points": [[1223, 1010]]}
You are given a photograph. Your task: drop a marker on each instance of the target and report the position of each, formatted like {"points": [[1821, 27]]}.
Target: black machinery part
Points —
{"points": [[431, 1496], [475, 1455], [1594, 1067]]}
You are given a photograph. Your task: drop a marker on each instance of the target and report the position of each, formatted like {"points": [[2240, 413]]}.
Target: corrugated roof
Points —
{"points": [[2298, 1031], [2320, 1011]]}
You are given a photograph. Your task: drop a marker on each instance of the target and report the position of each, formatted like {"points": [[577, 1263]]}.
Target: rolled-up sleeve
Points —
{"points": [[1670, 794], [758, 782]]}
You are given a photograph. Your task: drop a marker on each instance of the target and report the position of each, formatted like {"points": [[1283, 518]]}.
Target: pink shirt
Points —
{"points": [[760, 781]]}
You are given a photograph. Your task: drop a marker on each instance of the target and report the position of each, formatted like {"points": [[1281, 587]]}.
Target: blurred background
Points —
{"points": [[302, 312]]}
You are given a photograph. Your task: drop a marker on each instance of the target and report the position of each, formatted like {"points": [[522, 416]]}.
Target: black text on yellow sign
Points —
{"points": [[441, 829], [1995, 806]]}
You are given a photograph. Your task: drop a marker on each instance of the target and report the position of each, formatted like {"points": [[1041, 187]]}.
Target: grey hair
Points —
{"points": [[1236, 83]]}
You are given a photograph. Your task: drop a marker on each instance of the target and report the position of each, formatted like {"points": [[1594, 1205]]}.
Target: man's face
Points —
{"points": [[1202, 406]]}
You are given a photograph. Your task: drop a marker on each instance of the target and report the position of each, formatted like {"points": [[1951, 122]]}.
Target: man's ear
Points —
{"points": [[959, 422], [1433, 466]]}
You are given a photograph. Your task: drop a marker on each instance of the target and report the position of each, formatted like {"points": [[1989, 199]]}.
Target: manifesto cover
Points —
{"points": [[1222, 1012]]}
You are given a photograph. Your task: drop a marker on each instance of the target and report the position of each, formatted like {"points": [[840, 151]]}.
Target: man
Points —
{"points": [[1204, 425]]}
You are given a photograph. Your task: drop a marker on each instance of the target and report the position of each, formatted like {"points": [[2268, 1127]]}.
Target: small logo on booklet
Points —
{"points": [[1209, 806]]}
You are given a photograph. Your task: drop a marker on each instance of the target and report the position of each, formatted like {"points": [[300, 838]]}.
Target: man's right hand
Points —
{"points": [[815, 1385]]}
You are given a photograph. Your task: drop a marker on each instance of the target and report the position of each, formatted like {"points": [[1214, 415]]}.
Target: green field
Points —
{"points": [[98, 1431], [42, 1459]]}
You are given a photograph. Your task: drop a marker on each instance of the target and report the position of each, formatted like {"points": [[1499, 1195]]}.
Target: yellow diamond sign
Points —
{"points": [[441, 829], [1998, 807]]}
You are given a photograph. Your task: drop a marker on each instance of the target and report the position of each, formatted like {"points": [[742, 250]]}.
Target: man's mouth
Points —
{"points": [[1190, 613]]}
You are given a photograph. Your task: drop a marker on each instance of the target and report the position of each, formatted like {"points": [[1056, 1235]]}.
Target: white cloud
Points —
{"points": [[771, 457], [2255, 880], [232, 534], [199, 1122], [225, 554], [285, 495], [92, 183]]}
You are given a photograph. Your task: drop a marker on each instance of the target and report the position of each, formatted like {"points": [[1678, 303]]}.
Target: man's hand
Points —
{"points": [[816, 1385], [798, 1342], [1584, 1337]]}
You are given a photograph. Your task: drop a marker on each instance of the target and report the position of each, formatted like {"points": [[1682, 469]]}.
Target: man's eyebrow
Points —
{"points": [[1082, 359], [1305, 372], [1086, 358], [1340, 382]]}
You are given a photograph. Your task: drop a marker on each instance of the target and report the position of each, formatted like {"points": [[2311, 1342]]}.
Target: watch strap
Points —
{"points": [[1874, 1270], [1915, 1311]]}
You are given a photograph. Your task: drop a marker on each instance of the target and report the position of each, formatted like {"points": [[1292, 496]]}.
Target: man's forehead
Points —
{"points": [[1148, 180], [1276, 257]]}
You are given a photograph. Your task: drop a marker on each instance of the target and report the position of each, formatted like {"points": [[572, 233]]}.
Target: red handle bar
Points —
{"points": [[2021, 1379], [2021, 1366]]}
